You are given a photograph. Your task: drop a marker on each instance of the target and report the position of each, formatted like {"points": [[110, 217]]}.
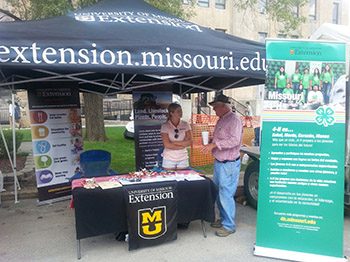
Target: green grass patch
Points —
{"points": [[23, 153], [122, 150], [27, 134]]}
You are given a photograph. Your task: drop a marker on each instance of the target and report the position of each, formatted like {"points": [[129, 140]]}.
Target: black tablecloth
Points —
{"points": [[99, 211]]}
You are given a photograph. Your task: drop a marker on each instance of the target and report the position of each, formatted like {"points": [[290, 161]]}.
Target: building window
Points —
{"points": [[186, 96], [295, 9], [294, 37], [220, 4], [203, 3], [262, 37], [220, 30], [312, 10], [282, 36], [203, 99], [262, 6], [335, 18]]}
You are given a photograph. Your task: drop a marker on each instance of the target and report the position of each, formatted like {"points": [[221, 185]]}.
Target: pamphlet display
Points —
{"points": [[301, 180], [57, 138]]}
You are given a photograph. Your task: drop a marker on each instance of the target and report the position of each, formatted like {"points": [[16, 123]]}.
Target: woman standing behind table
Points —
{"points": [[327, 82], [176, 136]]}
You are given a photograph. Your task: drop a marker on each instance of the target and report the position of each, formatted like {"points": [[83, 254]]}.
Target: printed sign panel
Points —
{"points": [[56, 137], [150, 112], [301, 180]]}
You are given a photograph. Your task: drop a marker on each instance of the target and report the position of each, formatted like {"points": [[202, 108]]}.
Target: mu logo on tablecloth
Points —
{"points": [[152, 222], [151, 213]]}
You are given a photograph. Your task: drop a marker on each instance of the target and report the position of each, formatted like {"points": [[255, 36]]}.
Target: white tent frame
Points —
{"points": [[14, 161]]}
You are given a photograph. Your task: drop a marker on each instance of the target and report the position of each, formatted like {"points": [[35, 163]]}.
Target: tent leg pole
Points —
{"points": [[204, 229], [14, 146], [78, 250], [9, 156]]}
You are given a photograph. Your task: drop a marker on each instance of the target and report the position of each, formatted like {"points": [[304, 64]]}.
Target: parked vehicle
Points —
{"points": [[129, 132]]}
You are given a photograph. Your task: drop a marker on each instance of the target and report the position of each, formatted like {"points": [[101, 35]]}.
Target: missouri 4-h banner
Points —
{"points": [[151, 214], [301, 180]]}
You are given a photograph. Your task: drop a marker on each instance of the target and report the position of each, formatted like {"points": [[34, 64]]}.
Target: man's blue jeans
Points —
{"points": [[226, 176]]}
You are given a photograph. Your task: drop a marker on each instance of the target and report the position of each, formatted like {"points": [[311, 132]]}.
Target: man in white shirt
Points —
{"points": [[10, 112]]}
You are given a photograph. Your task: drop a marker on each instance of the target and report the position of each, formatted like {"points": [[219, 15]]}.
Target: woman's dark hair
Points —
{"points": [[318, 72], [171, 109], [284, 70], [325, 70]]}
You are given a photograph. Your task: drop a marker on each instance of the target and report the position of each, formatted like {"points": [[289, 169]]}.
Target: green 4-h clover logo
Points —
{"points": [[325, 116]]}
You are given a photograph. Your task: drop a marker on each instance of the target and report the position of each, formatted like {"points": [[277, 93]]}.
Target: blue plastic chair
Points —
{"points": [[94, 163]]}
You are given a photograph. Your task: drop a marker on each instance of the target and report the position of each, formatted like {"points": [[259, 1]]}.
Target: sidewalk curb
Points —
{"points": [[28, 167], [25, 177]]}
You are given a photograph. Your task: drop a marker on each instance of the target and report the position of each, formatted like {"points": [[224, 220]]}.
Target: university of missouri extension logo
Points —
{"points": [[152, 222]]}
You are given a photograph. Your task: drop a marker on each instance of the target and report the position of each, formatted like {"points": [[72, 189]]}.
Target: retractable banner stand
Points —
{"points": [[56, 137], [301, 181], [150, 112], [152, 214]]}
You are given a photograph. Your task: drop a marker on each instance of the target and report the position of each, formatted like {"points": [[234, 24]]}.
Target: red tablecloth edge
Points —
{"points": [[80, 182]]}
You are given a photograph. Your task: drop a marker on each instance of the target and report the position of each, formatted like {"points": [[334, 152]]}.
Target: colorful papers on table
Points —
{"points": [[180, 175]]}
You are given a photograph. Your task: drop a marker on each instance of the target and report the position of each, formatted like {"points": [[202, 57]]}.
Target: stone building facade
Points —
{"points": [[255, 24]]}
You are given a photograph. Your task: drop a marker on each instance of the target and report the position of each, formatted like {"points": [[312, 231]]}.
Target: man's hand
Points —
{"points": [[207, 148]]}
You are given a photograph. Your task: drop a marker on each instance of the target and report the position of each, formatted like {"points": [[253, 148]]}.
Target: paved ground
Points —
{"points": [[46, 233], [32, 233]]}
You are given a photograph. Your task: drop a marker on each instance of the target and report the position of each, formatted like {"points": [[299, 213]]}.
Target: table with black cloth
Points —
{"points": [[99, 211]]}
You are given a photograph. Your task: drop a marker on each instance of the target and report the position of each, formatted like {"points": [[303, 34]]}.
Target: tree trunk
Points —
{"points": [[94, 124]]}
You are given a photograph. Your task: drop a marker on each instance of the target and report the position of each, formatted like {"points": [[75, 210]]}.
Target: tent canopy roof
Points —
{"points": [[332, 32], [117, 46]]}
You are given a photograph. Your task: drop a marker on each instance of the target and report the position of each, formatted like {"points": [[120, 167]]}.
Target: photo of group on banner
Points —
{"points": [[304, 85]]}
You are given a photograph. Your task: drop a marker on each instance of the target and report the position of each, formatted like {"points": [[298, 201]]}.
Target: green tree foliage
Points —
{"points": [[38, 9], [282, 11], [175, 7]]}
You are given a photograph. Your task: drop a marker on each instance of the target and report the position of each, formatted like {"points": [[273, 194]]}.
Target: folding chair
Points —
{"points": [[94, 163]]}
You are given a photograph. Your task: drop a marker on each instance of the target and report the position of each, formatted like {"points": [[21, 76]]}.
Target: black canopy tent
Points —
{"points": [[114, 45], [117, 46]]}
